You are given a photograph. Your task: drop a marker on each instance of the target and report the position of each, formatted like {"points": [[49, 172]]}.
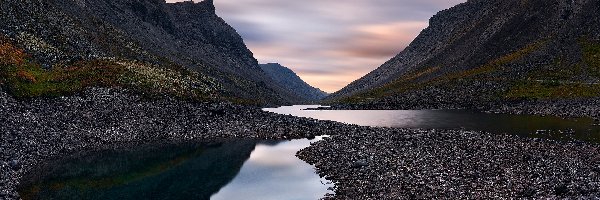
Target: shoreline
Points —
{"points": [[40, 130], [564, 108], [363, 162], [429, 164]]}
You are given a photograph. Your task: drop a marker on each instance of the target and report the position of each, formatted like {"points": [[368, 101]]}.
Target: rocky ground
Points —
{"points": [[440, 164], [562, 108], [568, 108], [33, 131], [364, 162]]}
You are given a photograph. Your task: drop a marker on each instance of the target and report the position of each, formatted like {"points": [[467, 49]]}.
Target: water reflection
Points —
{"points": [[526, 125], [273, 173], [253, 171]]}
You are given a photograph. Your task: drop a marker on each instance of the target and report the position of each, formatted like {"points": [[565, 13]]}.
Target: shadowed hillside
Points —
{"points": [[185, 37], [288, 79], [484, 52]]}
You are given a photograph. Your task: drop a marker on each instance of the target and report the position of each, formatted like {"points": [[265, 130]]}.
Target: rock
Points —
{"points": [[561, 190], [360, 163], [437, 46], [208, 42], [118, 118], [527, 192], [309, 136], [14, 165], [288, 79]]}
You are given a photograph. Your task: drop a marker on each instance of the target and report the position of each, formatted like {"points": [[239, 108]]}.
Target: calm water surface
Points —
{"points": [[273, 172], [242, 170], [255, 170], [525, 125]]}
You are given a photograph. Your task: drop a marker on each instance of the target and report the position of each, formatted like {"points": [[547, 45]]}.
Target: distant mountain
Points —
{"points": [[286, 78], [161, 35], [486, 51]]}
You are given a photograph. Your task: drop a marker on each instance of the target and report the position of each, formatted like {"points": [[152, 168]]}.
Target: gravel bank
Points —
{"points": [[38, 130], [432, 164], [562, 108], [568, 108], [365, 163]]}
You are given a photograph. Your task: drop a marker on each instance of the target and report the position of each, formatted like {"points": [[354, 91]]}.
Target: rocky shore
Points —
{"points": [[562, 108], [363, 162], [567, 108], [34, 131], [431, 164]]}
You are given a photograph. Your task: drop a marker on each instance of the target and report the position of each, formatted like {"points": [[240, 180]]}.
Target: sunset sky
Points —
{"points": [[329, 43]]}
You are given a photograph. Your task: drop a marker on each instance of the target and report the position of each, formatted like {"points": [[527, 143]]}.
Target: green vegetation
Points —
{"points": [[591, 54], [560, 79], [24, 78], [403, 84], [30, 80], [551, 89], [417, 80], [558, 70]]}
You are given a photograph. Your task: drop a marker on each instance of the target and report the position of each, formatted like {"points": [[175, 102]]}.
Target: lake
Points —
{"points": [[256, 170], [265, 170], [524, 125]]}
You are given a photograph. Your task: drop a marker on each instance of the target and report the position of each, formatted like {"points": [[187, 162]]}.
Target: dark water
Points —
{"points": [[251, 170], [235, 170], [525, 125]]}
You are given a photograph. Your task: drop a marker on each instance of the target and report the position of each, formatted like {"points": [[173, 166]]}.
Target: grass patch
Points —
{"points": [[591, 54], [559, 80], [404, 83], [24, 78], [558, 70], [533, 90], [408, 82], [30, 80]]}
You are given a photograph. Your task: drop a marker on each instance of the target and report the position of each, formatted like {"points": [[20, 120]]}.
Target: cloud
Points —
{"points": [[377, 40], [329, 43]]}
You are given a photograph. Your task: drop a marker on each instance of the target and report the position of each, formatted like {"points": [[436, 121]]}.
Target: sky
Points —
{"points": [[328, 43]]}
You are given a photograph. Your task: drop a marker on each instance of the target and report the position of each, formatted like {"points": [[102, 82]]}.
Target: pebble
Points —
{"points": [[360, 163], [363, 162], [99, 118], [453, 164], [14, 164], [567, 108]]}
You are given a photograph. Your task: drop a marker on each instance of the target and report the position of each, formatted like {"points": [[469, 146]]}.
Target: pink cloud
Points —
{"points": [[329, 43]]}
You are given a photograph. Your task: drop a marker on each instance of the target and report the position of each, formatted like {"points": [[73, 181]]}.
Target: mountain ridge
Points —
{"points": [[288, 79], [482, 52], [181, 35]]}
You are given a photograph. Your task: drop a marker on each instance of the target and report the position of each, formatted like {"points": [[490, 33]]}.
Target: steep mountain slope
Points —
{"points": [[286, 78], [486, 51], [189, 35]]}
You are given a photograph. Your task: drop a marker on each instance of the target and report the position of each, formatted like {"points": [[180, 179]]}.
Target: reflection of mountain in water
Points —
{"points": [[270, 143], [182, 172]]}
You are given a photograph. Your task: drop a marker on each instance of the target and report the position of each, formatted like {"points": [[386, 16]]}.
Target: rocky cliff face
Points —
{"points": [[287, 79], [489, 51], [184, 34]]}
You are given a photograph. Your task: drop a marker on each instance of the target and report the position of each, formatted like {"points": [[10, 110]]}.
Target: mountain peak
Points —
{"points": [[485, 50], [290, 80], [184, 35], [206, 5]]}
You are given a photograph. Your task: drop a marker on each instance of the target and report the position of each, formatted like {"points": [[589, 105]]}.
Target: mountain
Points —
{"points": [[286, 78], [154, 33], [484, 51]]}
